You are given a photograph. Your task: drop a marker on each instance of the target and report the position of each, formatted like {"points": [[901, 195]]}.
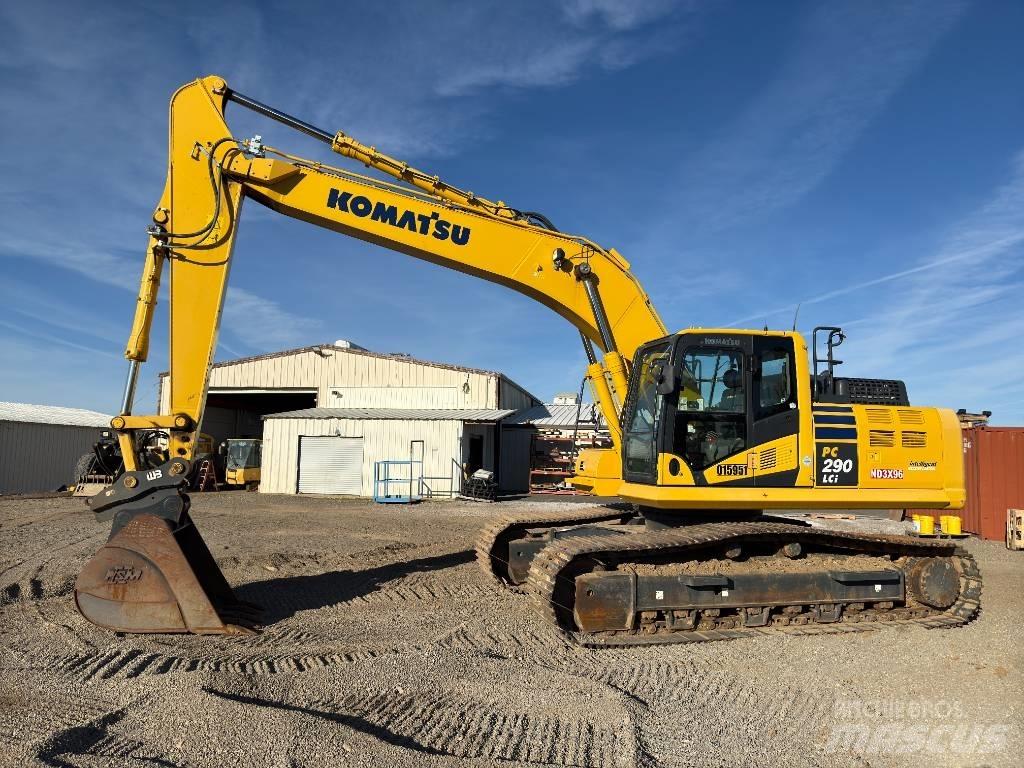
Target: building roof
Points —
{"points": [[52, 414], [399, 357], [549, 415], [319, 348], [396, 414]]}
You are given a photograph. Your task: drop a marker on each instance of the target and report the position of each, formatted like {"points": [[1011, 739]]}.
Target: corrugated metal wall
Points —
{"points": [[345, 370], [513, 397], [994, 471], [41, 457], [382, 440], [395, 397], [994, 476]]}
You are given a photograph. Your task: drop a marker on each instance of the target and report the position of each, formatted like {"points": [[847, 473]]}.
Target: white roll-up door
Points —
{"points": [[331, 465]]}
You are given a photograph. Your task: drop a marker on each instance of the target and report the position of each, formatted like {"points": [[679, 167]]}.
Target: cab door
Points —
{"points": [[774, 410], [707, 422], [643, 415]]}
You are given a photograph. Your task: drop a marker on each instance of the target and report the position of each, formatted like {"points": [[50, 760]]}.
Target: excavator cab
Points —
{"points": [[244, 458], [703, 402]]}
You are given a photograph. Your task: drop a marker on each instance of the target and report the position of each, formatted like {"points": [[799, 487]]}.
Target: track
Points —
{"points": [[552, 579], [500, 531]]}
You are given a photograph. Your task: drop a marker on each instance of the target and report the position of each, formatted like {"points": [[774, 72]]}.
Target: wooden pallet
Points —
{"points": [[1015, 529]]}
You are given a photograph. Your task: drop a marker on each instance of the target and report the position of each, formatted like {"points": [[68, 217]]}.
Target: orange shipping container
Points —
{"points": [[994, 476]]}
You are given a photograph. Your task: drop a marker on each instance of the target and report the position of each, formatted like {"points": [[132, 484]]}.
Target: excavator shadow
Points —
{"points": [[283, 597]]}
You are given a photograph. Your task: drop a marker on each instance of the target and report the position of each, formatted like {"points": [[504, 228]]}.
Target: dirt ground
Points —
{"points": [[386, 646]]}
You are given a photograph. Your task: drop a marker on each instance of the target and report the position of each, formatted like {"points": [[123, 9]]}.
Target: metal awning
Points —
{"points": [[489, 415]]}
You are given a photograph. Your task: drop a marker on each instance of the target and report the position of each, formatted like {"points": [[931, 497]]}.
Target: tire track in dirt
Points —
{"points": [[53, 552], [463, 727], [506, 644], [467, 728], [92, 739], [128, 664], [43, 734], [663, 698], [31, 568]]}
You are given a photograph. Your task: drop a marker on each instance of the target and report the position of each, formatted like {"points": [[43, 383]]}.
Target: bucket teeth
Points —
{"points": [[155, 576]]}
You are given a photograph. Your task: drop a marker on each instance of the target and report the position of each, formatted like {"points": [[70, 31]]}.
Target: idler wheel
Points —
{"points": [[935, 582]]}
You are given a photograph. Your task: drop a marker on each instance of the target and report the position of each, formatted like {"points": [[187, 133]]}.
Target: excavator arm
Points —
{"points": [[155, 573]]}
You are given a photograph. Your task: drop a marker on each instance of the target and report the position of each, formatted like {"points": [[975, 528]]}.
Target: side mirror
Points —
{"points": [[665, 378]]}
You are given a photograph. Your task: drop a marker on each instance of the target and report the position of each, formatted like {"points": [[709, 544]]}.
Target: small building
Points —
{"points": [[40, 445], [383, 405], [335, 450]]}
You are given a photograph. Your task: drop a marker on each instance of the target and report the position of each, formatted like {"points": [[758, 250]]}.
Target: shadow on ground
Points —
{"points": [[352, 721], [287, 595]]}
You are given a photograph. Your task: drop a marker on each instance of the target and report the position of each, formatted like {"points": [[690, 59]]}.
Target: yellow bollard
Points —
{"points": [[927, 525], [951, 525], [917, 522]]}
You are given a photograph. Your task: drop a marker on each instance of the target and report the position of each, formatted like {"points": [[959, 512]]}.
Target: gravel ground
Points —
{"points": [[386, 646]]}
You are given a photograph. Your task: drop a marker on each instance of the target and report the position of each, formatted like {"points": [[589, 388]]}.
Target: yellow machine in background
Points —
{"points": [[242, 462], [710, 427]]}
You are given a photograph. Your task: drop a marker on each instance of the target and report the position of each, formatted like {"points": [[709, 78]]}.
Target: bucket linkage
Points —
{"points": [[155, 574]]}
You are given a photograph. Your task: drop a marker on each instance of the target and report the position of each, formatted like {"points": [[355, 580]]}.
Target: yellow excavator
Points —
{"points": [[712, 429]]}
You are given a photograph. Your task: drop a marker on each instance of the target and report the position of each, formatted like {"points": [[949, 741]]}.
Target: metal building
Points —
{"points": [[384, 406], [335, 450], [341, 375], [40, 445]]}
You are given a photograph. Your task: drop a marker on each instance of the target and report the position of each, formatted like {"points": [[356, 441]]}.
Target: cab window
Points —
{"points": [[642, 429], [711, 421], [772, 381]]}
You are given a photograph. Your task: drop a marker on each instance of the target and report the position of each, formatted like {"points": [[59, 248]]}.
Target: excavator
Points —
{"points": [[713, 429]]}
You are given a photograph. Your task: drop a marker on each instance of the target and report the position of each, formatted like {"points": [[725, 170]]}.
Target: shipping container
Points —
{"points": [[994, 478]]}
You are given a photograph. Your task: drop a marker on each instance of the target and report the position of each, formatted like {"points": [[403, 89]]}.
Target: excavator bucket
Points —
{"points": [[155, 574]]}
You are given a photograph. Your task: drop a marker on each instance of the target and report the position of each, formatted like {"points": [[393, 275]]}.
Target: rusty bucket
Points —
{"points": [[155, 574]]}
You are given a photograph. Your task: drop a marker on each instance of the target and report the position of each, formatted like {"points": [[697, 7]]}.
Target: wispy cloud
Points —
{"points": [[975, 247], [617, 14], [59, 67], [552, 55], [950, 324], [34, 332], [265, 324], [847, 61]]}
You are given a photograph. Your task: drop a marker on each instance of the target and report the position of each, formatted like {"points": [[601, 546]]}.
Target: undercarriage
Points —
{"points": [[618, 577]]}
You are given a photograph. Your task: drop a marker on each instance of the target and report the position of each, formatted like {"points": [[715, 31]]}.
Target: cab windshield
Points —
{"points": [[243, 453], [710, 421]]}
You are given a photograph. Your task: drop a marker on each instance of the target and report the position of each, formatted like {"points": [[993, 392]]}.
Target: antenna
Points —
{"points": [[796, 315]]}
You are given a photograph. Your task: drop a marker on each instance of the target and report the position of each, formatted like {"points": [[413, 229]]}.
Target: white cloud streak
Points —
{"points": [[847, 62], [950, 324]]}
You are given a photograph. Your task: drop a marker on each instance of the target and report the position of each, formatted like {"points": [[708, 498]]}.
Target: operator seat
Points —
{"points": [[732, 398]]}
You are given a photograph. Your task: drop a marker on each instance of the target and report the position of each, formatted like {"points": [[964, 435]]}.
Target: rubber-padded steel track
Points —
{"points": [[558, 563], [507, 527]]}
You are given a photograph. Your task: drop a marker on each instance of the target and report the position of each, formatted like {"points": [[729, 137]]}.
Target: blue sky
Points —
{"points": [[864, 160]]}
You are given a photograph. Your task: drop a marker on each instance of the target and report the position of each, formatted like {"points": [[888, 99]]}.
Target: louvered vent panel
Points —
{"points": [[786, 457], [881, 438], [914, 439], [911, 417], [879, 415], [768, 459]]}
